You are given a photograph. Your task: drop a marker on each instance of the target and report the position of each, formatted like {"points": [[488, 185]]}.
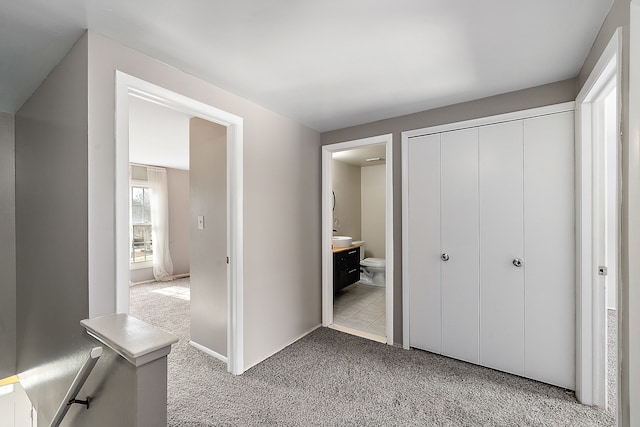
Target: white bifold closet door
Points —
{"points": [[459, 243], [502, 247], [491, 256], [424, 247], [443, 254], [550, 249]]}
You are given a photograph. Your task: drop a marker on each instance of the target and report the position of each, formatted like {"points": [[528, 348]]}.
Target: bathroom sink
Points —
{"points": [[341, 241]]}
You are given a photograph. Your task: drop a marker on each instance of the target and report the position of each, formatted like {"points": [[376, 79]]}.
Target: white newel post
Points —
{"points": [[145, 348]]}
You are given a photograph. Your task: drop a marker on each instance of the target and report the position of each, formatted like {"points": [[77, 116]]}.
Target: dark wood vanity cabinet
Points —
{"points": [[346, 268]]}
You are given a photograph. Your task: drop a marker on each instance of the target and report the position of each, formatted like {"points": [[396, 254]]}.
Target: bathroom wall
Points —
{"points": [[347, 188], [373, 185], [208, 189], [178, 192], [7, 246]]}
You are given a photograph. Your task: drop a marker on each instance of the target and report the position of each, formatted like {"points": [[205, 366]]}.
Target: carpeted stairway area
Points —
{"points": [[329, 378]]}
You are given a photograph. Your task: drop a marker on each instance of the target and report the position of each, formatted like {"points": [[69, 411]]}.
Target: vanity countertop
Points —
{"points": [[348, 248]]}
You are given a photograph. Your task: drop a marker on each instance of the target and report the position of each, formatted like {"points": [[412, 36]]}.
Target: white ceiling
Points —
{"points": [[327, 64], [359, 156], [158, 136]]}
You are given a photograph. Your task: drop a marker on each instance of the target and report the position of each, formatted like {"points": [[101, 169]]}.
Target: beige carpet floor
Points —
{"points": [[330, 378]]}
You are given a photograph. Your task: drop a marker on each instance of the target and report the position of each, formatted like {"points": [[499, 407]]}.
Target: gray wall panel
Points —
{"points": [[7, 247], [618, 16], [51, 232], [208, 194]]}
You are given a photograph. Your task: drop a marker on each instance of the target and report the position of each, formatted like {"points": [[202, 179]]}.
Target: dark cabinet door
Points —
{"points": [[346, 268]]}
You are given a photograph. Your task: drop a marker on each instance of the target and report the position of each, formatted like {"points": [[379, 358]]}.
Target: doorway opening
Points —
{"points": [[598, 210], [224, 328], [357, 244], [177, 184], [158, 166]]}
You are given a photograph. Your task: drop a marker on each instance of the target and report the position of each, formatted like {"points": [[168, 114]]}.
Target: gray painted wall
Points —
{"points": [[7, 246], [141, 275], [113, 386], [51, 131], [179, 236], [51, 231], [123, 394], [208, 190], [138, 172], [513, 101], [282, 181], [618, 16], [346, 186]]}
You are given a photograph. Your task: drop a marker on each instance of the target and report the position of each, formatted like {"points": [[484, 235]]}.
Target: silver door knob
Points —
{"points": [[444, 257], [517, 262]]}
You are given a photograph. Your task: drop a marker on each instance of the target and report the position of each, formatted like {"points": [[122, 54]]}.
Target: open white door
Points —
{"points": [[597, 211]]}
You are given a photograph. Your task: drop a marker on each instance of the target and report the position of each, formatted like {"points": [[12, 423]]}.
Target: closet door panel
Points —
{"points": [[459, 228], [550, 249], [501, 242], [424, 243]]}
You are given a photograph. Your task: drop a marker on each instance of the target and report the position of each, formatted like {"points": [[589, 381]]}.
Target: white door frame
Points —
{"points": [[128, 85], [630, 330], [327, 226], [590, 296]]}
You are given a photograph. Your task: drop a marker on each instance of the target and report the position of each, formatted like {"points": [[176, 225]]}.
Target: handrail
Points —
{"points": [[76, 385]]}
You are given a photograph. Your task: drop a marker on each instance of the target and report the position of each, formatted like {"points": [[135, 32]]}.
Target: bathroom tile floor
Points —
{"points": [[361, 307]]}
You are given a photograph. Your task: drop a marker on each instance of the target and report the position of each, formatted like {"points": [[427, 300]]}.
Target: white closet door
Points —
{"points": [[459, 228], [549, 249], [424, 243], [501, 246]]}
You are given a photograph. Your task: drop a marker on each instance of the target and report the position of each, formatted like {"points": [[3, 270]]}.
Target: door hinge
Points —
{"points": [[602, 270]]}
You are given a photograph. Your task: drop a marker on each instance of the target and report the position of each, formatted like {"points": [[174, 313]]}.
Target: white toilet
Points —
{"points": [[373, 269]]}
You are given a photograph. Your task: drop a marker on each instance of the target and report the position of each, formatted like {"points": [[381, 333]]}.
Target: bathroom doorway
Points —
{"points": [[357, 215]]}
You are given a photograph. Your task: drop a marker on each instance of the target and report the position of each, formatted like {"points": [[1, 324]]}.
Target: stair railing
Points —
{"points": [[76, 385]]}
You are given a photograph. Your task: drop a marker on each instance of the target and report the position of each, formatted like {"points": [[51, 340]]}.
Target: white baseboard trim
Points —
{"points": [[283, 347], [208, 351], [174, 277], [361, 334]]}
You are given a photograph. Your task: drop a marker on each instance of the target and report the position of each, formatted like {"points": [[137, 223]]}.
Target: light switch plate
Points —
{"points": [[200, 222]]}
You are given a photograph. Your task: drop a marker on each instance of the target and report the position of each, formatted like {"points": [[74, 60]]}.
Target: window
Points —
{"points": [[141, 243]]}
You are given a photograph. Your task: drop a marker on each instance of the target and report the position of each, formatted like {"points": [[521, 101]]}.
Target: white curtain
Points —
{"points": [[162, 264]]}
